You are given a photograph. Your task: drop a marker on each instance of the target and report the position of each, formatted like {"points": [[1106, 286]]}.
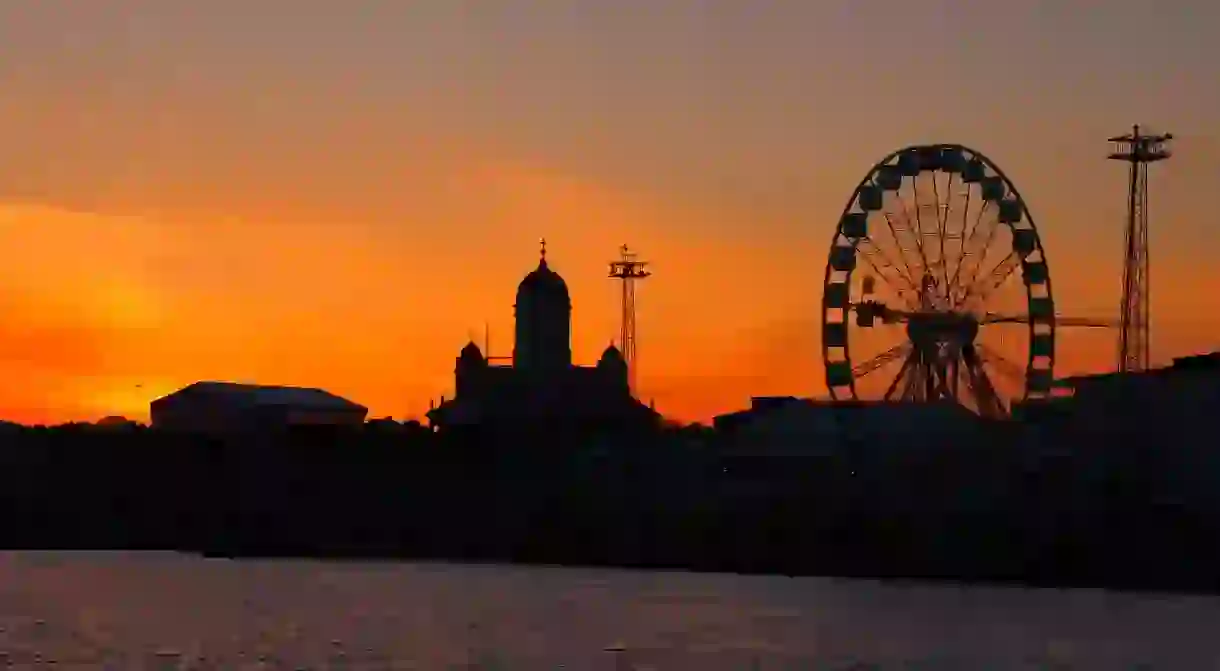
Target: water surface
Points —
{"points": [[165, 611]]}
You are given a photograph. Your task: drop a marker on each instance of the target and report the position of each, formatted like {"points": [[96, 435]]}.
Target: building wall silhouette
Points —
{"points": [[226, 407]]}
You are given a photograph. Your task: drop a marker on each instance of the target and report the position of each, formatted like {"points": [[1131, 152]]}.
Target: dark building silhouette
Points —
{"points": [[226, 407], [1183, 397], [1179, 403], [114, 421], [800, 426], [542, 387]]}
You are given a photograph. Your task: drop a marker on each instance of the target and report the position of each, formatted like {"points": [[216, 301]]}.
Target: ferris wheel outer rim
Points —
{"points": [[1027, 215]]}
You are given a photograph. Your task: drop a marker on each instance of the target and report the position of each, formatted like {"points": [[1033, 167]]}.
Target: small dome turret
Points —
{"points": [[611, 356], [471, 353], [613, 367]]}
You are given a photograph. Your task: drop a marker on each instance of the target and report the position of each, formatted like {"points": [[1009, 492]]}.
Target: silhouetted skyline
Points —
{"points": [[335, 196]]}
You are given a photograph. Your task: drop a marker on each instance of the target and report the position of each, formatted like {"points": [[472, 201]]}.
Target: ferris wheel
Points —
{"points": [[937, 287]]}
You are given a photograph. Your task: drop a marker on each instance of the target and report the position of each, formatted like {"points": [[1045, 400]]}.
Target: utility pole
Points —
{"points": [[1139, 150], [627, 269]]}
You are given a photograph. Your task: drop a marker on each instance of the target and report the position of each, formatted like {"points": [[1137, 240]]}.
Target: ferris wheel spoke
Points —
{"points": [[876, 363], [868, 256], [979, 259], [905, 234], [942, 231], [973, 260], [927, 209], [887, 263], [964, 237], [902, 251], [918, 230], [982, 289]]}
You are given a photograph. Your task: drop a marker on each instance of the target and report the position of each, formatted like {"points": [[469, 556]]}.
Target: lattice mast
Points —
{"points": [[627, 269], [1134, 342]]}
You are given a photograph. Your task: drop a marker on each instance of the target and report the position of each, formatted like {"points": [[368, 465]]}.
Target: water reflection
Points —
{"points": [[172, 612]]}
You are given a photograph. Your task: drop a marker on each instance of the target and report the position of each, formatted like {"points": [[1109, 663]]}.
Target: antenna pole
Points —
{"points": [[1134, 344], [627, 269]]}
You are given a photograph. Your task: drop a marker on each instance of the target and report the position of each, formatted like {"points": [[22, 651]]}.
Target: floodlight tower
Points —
{"points": [[627, 269], [1134, 341]]}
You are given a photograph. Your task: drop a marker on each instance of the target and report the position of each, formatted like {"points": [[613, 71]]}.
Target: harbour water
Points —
{"points": [[166, 611]]}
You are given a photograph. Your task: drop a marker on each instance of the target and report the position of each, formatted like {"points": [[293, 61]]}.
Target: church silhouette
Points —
{"points": [[542, 388]]}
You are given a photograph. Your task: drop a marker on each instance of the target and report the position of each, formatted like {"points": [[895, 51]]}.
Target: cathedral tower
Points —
{"points": [[543, 343]]}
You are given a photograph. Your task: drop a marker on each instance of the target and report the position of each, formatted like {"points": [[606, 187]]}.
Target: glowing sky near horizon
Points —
{"points": [[339, 194]]}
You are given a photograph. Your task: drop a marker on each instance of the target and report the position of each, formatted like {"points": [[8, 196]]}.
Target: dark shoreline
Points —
{"points": [[1113, 517], [893, 579]]}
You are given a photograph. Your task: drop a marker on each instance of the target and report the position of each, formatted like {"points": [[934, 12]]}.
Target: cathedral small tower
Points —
{"points": [[470, 370], [543, 344], [613, 368]]}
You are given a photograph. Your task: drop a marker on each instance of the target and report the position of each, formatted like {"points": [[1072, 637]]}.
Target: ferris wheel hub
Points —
{"points": [[934, 328]]}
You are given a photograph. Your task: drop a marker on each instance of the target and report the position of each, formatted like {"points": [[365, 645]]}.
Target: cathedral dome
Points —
{"points": [[544, 282]]}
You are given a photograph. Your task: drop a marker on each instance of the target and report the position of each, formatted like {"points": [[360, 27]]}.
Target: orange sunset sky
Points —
{"points": [[338, 194]]}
